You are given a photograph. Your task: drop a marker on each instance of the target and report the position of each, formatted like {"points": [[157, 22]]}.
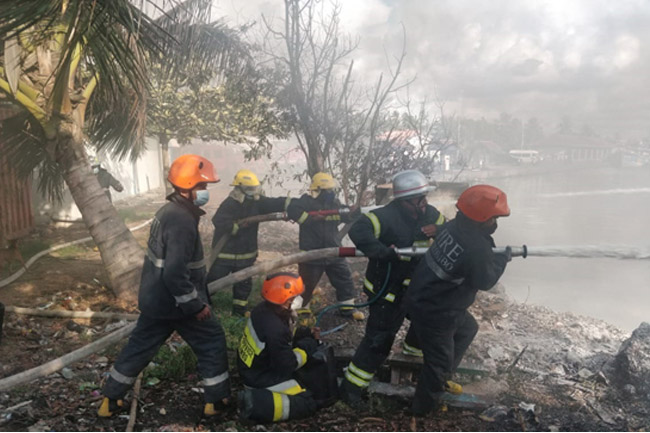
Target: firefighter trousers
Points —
{"points": [[384, 321], [241, 290], [337, 271], [206, 338], [445, 336]]}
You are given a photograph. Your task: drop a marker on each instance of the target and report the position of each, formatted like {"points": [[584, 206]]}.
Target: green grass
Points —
{"points": [[171, 363], [133, 214], [72, 251]]}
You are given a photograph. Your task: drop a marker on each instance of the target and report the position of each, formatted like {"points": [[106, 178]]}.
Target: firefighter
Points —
{"points": [[444, 285], [318, 231], [282, 382], [105, 179], [407, 221], [173, 293], [234, 244]]}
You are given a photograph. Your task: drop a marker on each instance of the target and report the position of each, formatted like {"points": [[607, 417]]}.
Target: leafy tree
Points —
{"points": [[224, 100], [79, 69]]}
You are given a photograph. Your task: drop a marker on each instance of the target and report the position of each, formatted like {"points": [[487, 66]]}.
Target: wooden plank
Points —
{"points": [[466, 401]]}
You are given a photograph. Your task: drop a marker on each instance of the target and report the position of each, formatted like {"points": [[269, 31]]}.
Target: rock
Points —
{"points": [[494, 413], [557, 370], [573, 358], [74, 326], [632, 362], [496, 353], [585, 373], [67, 373], [629, 389], [101, 360]]}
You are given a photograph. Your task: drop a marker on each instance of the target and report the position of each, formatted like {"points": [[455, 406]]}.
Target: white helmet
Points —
{"points": [[410, 183]]}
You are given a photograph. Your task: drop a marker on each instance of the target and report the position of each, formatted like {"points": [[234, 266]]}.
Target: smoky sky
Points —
{"points": [[587, 60]]}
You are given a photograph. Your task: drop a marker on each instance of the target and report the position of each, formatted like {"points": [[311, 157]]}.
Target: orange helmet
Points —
{"points": [[482, 202], [277, 288], [189, 170]]}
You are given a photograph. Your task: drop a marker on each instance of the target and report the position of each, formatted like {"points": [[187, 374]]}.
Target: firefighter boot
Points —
{"points": [[212, 409], [453, 388], [109, 407], [239, 307], [348, 310]]}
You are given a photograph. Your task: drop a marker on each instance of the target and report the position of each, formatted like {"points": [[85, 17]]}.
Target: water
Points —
{"points": [[597, 212]]}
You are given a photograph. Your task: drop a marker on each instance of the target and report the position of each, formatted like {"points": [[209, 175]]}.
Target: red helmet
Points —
{"points": [[482, 202], [189, 170], [277, 288]]}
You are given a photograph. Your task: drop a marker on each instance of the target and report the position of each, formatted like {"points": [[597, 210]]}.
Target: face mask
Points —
{"points": [[489, 229], [327, 195], [202, 197], [297, 302]]}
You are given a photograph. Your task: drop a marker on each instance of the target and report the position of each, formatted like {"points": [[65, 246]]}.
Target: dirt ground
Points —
{"points": [[541, 371]]}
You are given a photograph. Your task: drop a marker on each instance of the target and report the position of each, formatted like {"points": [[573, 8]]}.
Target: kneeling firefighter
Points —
{"points": [[285, 376]]}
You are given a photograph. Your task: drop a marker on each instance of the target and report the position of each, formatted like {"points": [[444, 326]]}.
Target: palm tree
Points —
{"points": [[78, 69]]}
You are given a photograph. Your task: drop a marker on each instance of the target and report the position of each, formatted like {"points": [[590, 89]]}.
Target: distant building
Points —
{"points": [[573, 148]]}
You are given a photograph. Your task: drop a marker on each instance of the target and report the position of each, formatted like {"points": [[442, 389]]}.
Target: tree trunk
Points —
{"points": [[164, 146], [120, 252]]}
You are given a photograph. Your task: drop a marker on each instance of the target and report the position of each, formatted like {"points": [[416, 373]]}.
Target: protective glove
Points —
{"points": [[308, 344], [390, 255], [508, 253]]}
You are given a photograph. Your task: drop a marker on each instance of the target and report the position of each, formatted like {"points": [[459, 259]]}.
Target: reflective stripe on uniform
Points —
{"points": [[406, 282], [281, 407], [302, 218], [405, 258], [440, 220], [411, 350], [441, 273], [421, 244], [186, 298], [286, 203], [390, 297], [127, 380], [235, 229], [359, 372], [288, 387], [216, 380], [241, 302], [237, 256], [301, 357], [250, 345], [159, 263], [333, 218], [376, 225]]}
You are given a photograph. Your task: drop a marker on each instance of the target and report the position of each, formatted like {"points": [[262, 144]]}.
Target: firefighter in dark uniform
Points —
{"points": [[234, 245], [173, 293], [270, 358], [320, 231], [407, 221], [105, 179], [443, 286]]}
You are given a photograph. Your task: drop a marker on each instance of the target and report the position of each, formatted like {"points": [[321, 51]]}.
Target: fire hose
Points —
{"points": [[407, 252]]}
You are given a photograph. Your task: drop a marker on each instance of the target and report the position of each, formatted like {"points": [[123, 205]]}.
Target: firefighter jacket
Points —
{"points": [[242, 244], [265, 355], [173, 283], [376, 231], [459, 264], [317, 233]]}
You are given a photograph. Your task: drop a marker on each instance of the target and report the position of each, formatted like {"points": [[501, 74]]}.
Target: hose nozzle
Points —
{"points": [[521, 251]]}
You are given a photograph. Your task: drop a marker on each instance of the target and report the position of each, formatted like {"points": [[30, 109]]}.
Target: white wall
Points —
{"points": [[137, 177]]}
